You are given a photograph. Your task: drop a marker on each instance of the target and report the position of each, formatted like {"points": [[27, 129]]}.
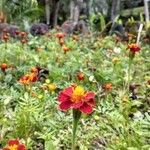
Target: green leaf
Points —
{"points": [[49, 145]]}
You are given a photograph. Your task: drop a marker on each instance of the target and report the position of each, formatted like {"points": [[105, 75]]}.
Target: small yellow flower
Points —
{"points": [[52, 87], [115, 60]]}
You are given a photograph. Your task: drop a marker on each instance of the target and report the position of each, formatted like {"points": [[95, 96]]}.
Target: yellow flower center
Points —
{"points": [[13, 147], [77, 94]]}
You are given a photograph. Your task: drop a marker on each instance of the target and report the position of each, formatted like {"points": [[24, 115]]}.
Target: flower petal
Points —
{"points": [[13, 142], [68, 91], [65, 94], [89, 96], [91, 102], [77, 105], [62, 97], [21, 147], [65, 105], [6, 148], [85, 108]]}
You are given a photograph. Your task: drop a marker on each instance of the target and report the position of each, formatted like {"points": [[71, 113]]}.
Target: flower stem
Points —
{"points": [[76, 117], [131, 56]]}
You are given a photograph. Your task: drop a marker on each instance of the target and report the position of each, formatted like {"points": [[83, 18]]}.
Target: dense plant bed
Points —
{"points": [[35, 70]]}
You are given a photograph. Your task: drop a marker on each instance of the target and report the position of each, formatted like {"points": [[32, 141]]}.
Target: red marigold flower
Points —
{"points": [[77, 98], [134, 48], [4, 66], [60, 35], [80, 76], [17, 32], [13, 142], [14, 145]]}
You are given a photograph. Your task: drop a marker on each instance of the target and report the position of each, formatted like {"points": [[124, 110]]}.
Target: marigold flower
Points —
{"points": [[80, 76], [66, 49], [17, 32], [115, 60], [107, 86], [148, 82], [4, 66], [14, 145], [5, 38], [33, 77], [77, 98], [23, 34], [61, 42], [25, 80], [60, 35], [52, 87], [34, 70], [24, 41], [134, 48]]}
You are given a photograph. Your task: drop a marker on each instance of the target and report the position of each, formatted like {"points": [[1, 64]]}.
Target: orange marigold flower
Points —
{"points": [[107, 86], [25, 80], [66, 49], [80, 76], [34, 70], [77, 98], [134, 48], [148, 82], [24, 41], [4, 66], [61, 42], [60, 35], [23, 34], [14, 145], [33, 77], [5, 37]]}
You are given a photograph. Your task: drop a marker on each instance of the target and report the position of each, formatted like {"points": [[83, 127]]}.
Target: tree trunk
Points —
{"points": [[75, 10], [115, 9], [47, 11], [72, 5], [146, 10], [54, 13]]}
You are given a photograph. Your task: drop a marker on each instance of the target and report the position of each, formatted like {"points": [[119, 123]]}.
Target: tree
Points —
{"points": [[115, 9], [75, 10]]}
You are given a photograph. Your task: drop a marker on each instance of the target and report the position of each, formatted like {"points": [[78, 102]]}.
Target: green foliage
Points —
{"points": [[98, 22], [17, 11], [30, 113]]}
